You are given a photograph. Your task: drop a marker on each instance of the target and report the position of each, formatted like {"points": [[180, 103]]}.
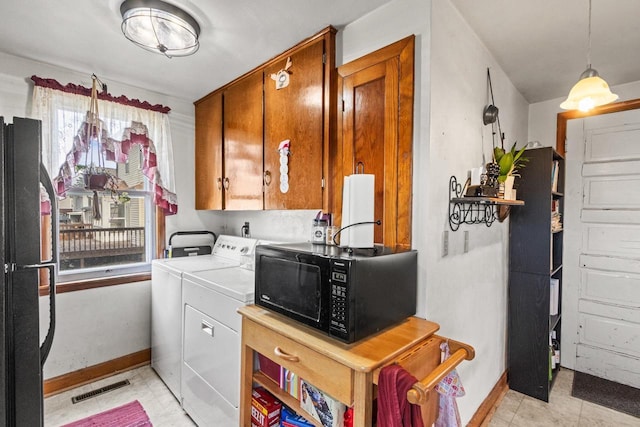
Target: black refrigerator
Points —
{"points": [[22, 348]]}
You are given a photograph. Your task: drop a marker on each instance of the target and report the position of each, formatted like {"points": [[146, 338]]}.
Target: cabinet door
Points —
{"points": [[376, 137], [243, 144], [295, 112], [209, 152]]}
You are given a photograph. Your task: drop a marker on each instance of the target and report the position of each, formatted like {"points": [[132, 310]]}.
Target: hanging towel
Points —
{"points": [[394, 410], [449, 388]]}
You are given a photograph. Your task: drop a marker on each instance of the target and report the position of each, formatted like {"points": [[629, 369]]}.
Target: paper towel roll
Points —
{"points": [[358, 196]]}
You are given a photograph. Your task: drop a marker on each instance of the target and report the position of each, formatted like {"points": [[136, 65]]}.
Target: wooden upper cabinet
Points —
{"points": [[240, 126], [377, 135], [208, 150], [242, 132], [295, 113]]}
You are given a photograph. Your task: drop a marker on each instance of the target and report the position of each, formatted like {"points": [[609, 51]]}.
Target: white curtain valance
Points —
{"points": [[63, 114]]}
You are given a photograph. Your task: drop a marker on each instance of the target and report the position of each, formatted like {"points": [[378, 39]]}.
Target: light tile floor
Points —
{"points": [[146, 387], [515, 410], [519, 410]]}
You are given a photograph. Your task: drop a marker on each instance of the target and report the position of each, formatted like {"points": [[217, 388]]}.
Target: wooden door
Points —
{"points": [[376, 137], [209, 152], [601, 300], [295, 113], [242, 180]]}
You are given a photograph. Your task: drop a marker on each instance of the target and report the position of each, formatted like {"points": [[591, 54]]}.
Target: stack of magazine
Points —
{"points": [[556, 216]]}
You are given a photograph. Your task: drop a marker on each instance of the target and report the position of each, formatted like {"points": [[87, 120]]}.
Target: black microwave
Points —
{"points": [[348, 295]]}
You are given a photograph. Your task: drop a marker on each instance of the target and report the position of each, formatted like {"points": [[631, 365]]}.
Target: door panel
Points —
{"points": [[376, 131], [612, 192], [602, 260], [613, 143], [243, 144], [364, 133], [209, 153], [296, 113], [604, 239]]}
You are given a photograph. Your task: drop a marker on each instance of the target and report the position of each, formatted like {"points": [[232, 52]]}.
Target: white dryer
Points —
{"points": [[211, 343], [166, 302]]}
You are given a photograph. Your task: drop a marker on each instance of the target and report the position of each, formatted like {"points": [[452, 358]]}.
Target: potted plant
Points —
{"points": [[510, 163]]}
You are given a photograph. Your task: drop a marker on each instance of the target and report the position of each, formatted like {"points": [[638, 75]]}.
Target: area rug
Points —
{"points": [[131, 414], [619, 397]]}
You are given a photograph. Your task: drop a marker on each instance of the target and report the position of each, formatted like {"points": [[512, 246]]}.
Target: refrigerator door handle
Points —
{"points": [[45, 180], [45, 347], [48, 340]]}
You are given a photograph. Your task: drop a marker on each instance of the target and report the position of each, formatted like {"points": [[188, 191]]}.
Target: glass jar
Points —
{"points": [[319, 231]]}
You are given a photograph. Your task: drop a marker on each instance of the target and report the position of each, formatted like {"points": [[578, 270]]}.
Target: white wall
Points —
{"points": [[465, 293], [97, 325]]}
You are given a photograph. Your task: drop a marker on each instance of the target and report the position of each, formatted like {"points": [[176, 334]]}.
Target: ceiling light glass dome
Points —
{"points": [[160, 27]]}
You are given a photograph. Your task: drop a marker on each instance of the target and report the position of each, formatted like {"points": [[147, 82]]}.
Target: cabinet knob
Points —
{"points": [[284, 355], [219, 183], [226, 183], [267, 177]]}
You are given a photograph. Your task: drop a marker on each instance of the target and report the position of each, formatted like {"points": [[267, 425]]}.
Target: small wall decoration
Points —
{"points": [[282, 77], [283, 148]]}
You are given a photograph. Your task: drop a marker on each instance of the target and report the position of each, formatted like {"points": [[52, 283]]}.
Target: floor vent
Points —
{"points": [[101, 390]]}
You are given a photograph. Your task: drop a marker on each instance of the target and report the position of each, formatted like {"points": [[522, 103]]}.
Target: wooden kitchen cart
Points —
{"points": [[346, 372]]}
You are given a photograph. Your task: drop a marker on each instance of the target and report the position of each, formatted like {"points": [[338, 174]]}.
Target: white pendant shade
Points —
{"points": [[591, 90], [160, 27], [588, 93]]}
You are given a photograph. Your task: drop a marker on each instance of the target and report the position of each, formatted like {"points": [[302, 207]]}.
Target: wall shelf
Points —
{"points": [[476, 210]]}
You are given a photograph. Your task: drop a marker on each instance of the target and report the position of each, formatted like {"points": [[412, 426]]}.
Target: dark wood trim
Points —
{"points": [[561, 126], [161, 228], [89, 374], [402, 48], [490, 404], [279, 57], [101, 282]]}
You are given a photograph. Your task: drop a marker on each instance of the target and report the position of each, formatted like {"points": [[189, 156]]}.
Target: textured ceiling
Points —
{"points": [[236, 36], [542, 44]]}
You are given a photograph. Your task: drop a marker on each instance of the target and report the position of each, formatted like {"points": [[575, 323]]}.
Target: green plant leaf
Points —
{"points": [[506, 164]]}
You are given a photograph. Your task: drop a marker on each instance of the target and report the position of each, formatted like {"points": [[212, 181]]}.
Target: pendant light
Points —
{"points": [[591, 90], [160, 27]]}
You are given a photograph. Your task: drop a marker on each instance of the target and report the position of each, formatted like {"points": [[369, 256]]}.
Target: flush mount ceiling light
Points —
{"points": [[160, 27], [591, 90]]}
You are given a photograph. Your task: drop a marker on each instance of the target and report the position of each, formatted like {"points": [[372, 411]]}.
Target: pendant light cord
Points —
{"points": [[589, 38]]}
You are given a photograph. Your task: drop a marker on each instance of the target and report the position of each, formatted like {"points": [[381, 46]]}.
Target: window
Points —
{"points": [[104, 230]]}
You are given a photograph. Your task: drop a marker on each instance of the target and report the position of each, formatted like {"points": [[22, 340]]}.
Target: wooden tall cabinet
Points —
{"points": [[254, 118], [535, 260], [377, 135]]}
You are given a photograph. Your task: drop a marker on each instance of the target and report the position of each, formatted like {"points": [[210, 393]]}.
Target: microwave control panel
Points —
{"points": [[339, 279]]}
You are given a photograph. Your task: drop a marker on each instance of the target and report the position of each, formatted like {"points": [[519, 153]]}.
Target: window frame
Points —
{"points": [[100, 282]]}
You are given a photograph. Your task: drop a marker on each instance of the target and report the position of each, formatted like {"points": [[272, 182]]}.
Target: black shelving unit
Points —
{"points": [[535, 257]]}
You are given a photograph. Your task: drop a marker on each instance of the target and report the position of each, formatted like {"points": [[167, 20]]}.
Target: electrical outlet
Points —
{"points": [[445, 243], [466, 241]]}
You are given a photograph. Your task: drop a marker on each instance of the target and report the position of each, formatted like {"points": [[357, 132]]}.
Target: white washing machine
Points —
{"points": [[211, 343], [166, 302]]}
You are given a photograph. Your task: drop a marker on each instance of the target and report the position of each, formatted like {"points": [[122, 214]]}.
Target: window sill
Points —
{"points": [[81, 285]]}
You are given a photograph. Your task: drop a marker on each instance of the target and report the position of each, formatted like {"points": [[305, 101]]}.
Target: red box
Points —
{"points": [[269, 368], [265, 409]]}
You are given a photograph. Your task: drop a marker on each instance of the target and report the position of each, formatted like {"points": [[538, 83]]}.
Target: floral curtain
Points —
{"points": [[63, 112]]}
